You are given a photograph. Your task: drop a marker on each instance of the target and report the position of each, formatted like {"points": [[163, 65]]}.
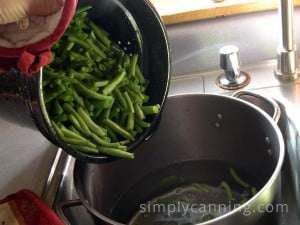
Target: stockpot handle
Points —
{"points": [[252, 97], [67, 204], [78, 202]]}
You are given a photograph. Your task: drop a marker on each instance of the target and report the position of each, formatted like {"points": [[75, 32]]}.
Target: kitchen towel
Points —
{"points": [[26, 208]]}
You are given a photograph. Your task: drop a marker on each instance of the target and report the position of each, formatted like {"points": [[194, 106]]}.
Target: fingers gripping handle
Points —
{"points": [[30, 63]]}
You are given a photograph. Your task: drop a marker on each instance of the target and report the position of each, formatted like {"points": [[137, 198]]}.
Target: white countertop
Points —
{"points": [[25, 159]]}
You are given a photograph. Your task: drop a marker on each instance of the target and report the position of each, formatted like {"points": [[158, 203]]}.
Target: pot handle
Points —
{"points": [[78, 202], [66, 204], [269, 105]]}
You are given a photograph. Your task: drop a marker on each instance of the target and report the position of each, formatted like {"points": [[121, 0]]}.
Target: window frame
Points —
{"points": [[221, 9]]}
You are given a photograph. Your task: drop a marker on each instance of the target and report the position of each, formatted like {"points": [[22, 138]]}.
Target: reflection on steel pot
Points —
{"points": [[199, 138]]}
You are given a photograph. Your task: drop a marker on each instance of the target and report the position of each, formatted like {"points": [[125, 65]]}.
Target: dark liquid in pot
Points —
{"points": [[185, 193]]}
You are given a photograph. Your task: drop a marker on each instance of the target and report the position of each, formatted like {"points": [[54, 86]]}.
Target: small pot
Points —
{"points": [[194, 131]]}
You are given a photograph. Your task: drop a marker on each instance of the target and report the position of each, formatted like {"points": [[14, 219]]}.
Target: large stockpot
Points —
{"points": [[194, 130]]}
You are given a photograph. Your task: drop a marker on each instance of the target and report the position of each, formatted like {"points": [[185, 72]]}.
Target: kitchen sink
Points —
{"points": [[59, 188]]}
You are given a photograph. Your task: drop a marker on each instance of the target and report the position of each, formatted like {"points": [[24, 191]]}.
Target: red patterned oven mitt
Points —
{"points": [[26, 44], [26, 208]]}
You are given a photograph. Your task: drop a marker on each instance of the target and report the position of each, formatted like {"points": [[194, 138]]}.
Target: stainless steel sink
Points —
{"points": [[60, 183], [290, 182]]}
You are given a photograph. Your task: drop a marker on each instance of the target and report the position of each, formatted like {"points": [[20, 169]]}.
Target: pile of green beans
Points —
{"points": [[94, 92]]}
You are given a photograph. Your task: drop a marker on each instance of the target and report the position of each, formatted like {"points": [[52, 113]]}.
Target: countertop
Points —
{"points": [[25, 159]]}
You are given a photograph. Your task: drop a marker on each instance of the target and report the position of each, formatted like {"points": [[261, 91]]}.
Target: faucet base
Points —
{"points": [[287, 77], [287, 64]]}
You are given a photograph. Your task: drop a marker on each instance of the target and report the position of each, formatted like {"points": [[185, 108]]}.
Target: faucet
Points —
{"points": [[287, 51]]}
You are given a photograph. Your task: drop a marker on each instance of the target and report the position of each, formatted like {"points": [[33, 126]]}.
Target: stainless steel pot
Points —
{"points": [[194, 130]]}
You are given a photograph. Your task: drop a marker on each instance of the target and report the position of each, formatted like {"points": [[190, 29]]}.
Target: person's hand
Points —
{"points": [[13, 10], [43, 7]]}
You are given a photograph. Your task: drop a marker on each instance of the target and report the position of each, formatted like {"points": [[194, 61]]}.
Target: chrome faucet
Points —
{"points": [[287, 51]]}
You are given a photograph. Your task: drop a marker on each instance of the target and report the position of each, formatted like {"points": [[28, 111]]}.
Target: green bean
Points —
{"points": [[68, 133], [135, 87], [97, 113], [50, 96], [125, 142], [69, 46], [100, 33], [117, 50], [57, 129], [136, 97], [130, 122], [169, 180], [154, 109], [49, 73], [133, 62], [81, 75], [139, 112], [91, 94], [103, 142], [115, 112], [142, 123], [120, 98], [201, 187], [75, 141], [89, 107], [138, 128], [75, 122], [83, 125], [78, 41], [77, 98], [106, 113], [96, 49], [206, 217], [237, 179], [66, 97], [112, 135], [118, 129], [123, 119], [74, 56], [72, 128], [139, 74], [116, 152], [227, 189], [59, 118], [253, 191], [114, 83], [83, 9], [128, 102], [58, 109], [145, 98], [90, 123], [102, 104], [101, 83]]}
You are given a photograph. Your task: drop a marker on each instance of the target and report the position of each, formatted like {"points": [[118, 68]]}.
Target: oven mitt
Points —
{"points": [[26, 44], [26, 208]]}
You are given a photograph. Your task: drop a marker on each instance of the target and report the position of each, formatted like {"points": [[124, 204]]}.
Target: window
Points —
{"points": [[176, 11]]}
